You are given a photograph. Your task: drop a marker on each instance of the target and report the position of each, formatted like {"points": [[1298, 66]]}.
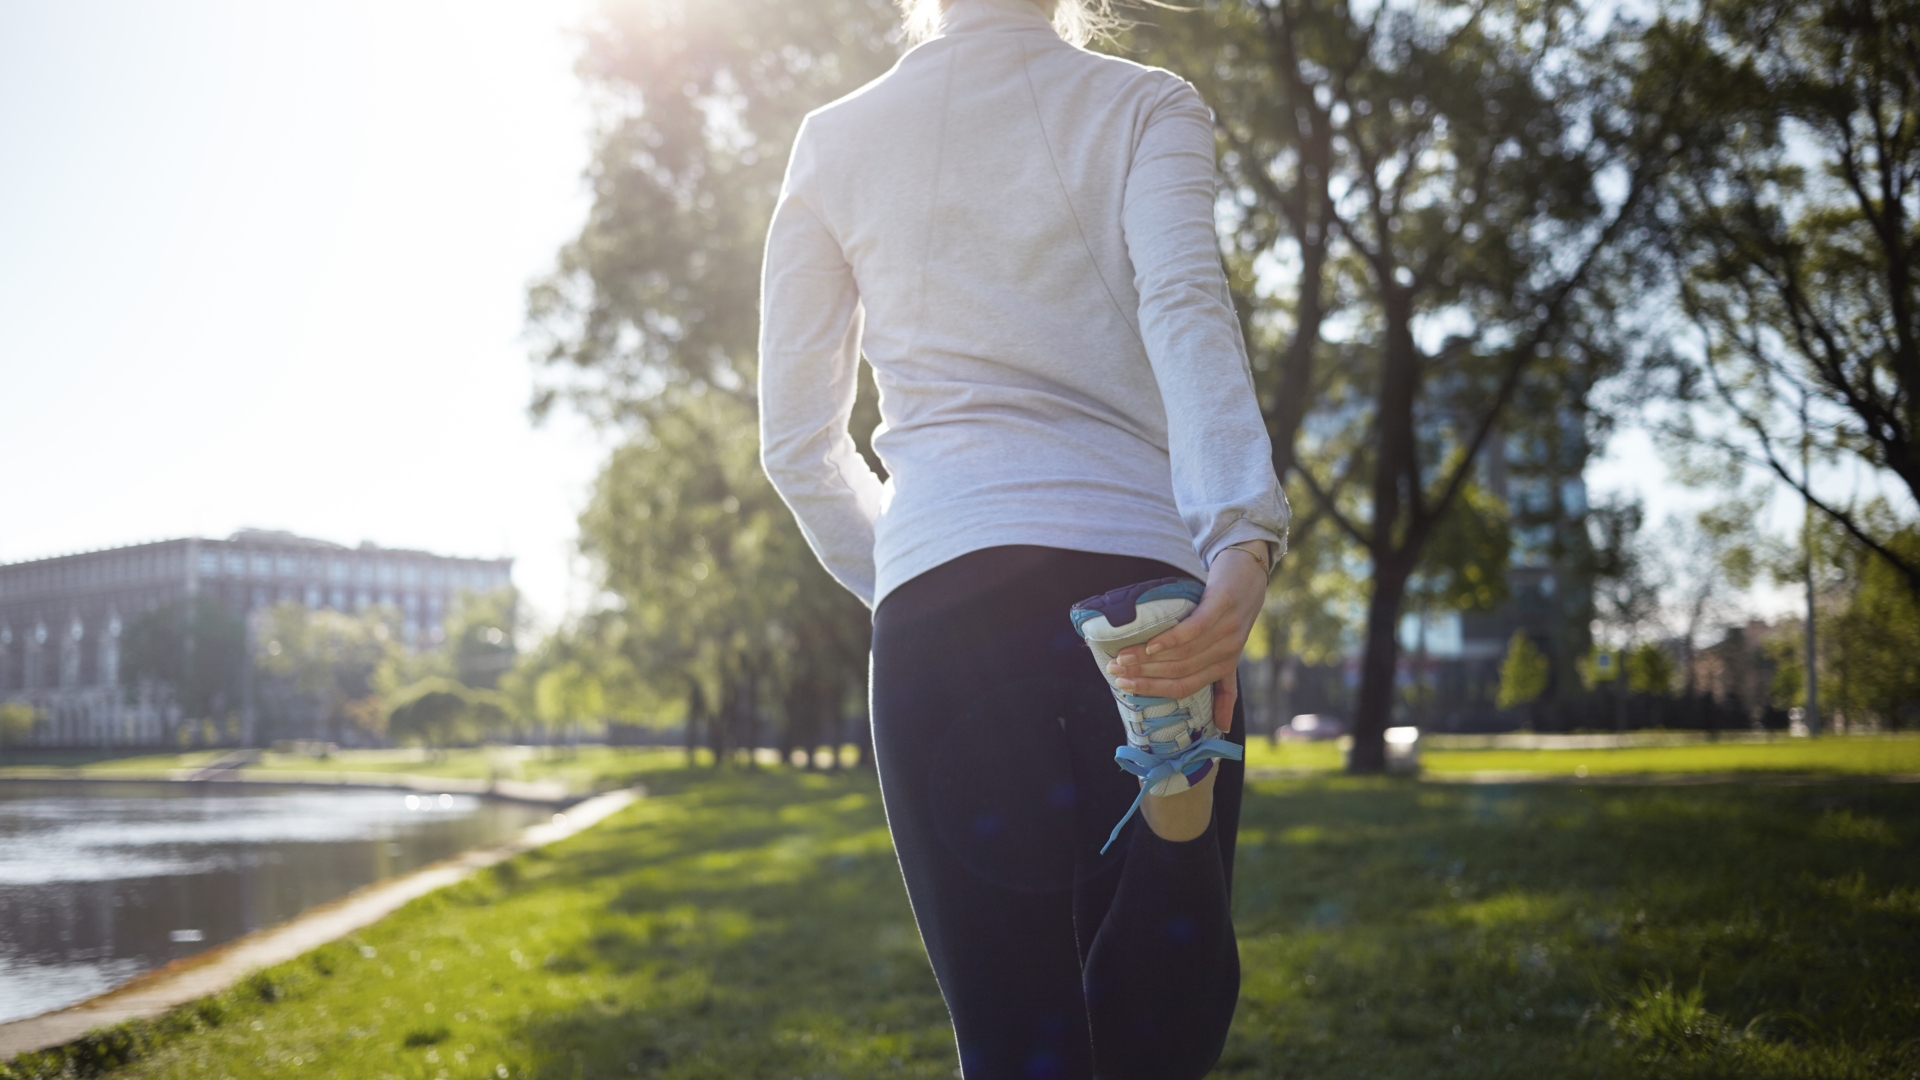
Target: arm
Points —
{"points": [[810, 322], [1223, 474], [1223, 477]]}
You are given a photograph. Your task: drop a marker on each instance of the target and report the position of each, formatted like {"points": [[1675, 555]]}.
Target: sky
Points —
{"points": [[262, 264]]}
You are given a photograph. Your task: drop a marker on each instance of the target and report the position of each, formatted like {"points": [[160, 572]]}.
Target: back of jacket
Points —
{"points": [[1019, 235]]}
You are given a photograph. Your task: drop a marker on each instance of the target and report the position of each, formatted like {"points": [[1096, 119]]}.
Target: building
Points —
{"points": [[1457, 656], [62, 618]]}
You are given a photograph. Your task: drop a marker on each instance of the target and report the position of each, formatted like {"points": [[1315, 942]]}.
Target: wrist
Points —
{"points": [[1259, 551]]}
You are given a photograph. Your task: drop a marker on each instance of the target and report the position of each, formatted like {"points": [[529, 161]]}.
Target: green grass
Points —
{"points": [[745, 926], [1841, 755], [1870, 754], [592, 768]]}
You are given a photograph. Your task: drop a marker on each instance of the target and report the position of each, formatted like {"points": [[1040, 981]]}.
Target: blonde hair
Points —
{"points": [[1077, 21]]}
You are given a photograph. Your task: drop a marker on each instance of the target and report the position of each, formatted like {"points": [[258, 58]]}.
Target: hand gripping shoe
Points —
{"points": [[1170, 744]]}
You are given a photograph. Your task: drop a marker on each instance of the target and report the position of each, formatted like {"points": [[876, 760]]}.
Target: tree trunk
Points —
{"points": [[1377, 669], [1279, 697]]}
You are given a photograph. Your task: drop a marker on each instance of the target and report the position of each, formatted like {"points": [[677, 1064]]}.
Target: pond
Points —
{"points": [[100, 882]]}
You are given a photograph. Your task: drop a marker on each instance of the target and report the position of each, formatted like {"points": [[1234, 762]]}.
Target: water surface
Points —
{"points": [[99, 882]]}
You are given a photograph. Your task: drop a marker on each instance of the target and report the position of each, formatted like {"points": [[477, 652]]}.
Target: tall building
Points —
{"points": [[1539, 473], [62, 618]]}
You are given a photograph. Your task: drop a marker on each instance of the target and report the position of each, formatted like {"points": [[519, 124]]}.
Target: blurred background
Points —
{"points": [[1588, 380], [377, 432]]}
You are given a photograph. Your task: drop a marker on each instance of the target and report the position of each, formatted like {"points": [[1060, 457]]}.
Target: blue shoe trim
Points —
{"points": [[1152, 769], [1119, 605]]}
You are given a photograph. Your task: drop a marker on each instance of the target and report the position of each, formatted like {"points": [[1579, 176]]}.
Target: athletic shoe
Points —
{"points": [[1171, 745]]}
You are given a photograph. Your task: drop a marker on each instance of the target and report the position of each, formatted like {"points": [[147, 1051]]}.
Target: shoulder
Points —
{"points": [[1144, 79], [855, 112]]}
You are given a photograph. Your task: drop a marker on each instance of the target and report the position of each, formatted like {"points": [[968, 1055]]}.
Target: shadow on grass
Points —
{"points": [[1388, 929], [764, 931], [1397, 929]]}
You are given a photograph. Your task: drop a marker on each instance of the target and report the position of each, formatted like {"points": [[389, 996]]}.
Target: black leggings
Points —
{"points": [[994, 734]]}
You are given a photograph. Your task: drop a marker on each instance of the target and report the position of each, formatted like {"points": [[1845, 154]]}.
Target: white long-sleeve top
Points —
{"points": [[1019, 235]]}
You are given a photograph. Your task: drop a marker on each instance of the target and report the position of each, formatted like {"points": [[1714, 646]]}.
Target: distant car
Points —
{"points": [[1312, 727]]}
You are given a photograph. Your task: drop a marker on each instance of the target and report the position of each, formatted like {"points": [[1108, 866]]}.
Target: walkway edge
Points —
{"points": [[533, 792], [219, 968]]}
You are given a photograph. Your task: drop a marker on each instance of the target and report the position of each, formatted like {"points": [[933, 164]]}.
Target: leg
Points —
{"points": [[980, 798], [1162, 970], [994, 736]]}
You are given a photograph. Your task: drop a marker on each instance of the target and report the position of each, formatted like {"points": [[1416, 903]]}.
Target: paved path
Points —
{"points": [[219, 968], [538, 792]]}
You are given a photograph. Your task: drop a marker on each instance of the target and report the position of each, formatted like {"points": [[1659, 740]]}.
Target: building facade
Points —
{"points": [[62, 619]]}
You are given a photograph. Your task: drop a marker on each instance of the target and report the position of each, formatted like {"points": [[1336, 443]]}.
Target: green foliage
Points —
{"points": [[723, 603], [1628, 578], [1418, 166], [568, 695], [195, 649], [698, 104], [17, 721], [1650, 670], [333, 659], [439, 712], [1524, 673], [1793, 205], [483, 632], [1464, 566], [1876, 670]]}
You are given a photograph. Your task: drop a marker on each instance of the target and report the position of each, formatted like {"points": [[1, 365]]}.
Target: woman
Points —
{"points": [[1018, 235]]}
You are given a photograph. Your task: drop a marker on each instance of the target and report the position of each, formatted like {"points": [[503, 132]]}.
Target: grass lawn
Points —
{"points": [[1841, 755], [744, 926]]}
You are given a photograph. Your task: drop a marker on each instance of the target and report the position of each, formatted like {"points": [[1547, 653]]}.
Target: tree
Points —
{"points": [[1795, 241], [17, 721], [338, 662], [482, 637], [569, 696], [435, 713], [1869, 627], [1523, 674], [194, 650], [697, 106], [1423, 205], [1649, 669], [1629, 578], [650, 321], [720, 598], [1711, 556]]}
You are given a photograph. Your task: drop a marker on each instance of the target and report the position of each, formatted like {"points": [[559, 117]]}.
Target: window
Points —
{"points": [[410, 604], [363, 572], [361, 600], [289, 566], [262, 566], [410, 577], [210, 563], [386, 574], [336, 569], [313, 596], [437, 577], [235, 563], [338, 600]]}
